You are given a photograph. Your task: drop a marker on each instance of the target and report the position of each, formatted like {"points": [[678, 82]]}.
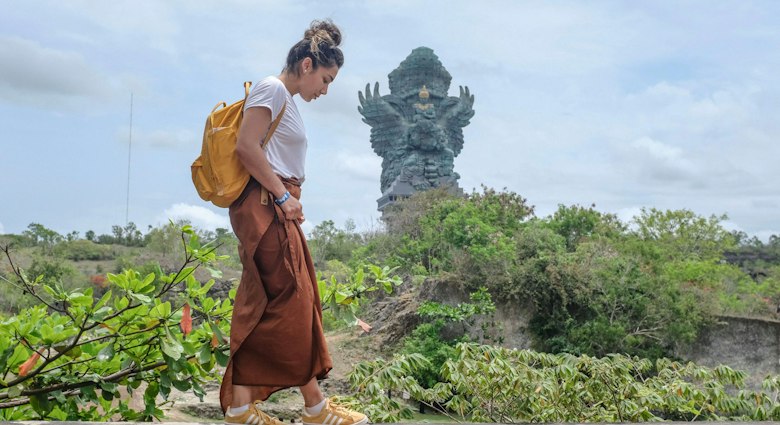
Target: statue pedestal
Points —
{"points": [[398, 190], [401, 189]]}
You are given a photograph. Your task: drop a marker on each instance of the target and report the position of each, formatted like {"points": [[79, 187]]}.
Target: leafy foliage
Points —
{"points": [[328, 243], [66, 358], [343, 298], [428, 338], [595, 285], [490, 384]]}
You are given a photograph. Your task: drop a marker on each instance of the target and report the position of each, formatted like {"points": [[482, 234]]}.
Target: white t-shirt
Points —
{"points": [[286, 151]]}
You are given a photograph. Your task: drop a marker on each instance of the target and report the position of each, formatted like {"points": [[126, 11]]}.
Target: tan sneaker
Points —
{"points": [[335, 414], [253, 416]]}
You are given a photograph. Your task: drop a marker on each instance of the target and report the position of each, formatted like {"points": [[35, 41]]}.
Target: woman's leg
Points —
{"points": [[312, 395], [242, 395]]}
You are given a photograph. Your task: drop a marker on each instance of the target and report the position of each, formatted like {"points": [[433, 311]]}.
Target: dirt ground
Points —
{"points": [[347, 348]]}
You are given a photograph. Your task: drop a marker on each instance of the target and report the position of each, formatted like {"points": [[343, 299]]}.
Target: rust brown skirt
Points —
{"points": [[276, 337]]}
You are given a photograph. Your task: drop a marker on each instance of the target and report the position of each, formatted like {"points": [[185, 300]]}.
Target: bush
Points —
{"points": [[66, 358], [79, 250], [490, 384]]}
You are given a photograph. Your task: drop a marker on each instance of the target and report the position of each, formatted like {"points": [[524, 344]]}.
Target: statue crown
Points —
{"points": [[424, 94]]}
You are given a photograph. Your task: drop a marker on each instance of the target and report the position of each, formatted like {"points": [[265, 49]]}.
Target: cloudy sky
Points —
{"points": [[621, 104]]}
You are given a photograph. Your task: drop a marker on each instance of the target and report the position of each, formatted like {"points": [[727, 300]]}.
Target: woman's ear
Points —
{"points": [[306, 65]]}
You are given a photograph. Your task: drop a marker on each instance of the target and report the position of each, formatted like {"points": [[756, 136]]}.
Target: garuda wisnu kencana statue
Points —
{"points": [[417, 129]]}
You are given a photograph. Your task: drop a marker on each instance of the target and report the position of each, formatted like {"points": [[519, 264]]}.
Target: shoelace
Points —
{"points": [[265, 417], [338, 408]]}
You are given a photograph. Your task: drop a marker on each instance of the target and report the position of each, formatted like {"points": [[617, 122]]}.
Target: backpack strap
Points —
{"points": [[273, 126], [264, 194]]}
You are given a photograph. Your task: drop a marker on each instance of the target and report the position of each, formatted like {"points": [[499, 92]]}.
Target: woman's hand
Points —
{"points": [[292, 209]]}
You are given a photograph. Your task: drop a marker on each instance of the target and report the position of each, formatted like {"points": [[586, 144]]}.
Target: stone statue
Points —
{"points": [[416, 129]]}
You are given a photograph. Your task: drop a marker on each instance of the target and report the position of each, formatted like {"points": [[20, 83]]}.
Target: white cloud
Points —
{"points": [[576, 103], [2, 229], [199, 217], [764, 235], [162, 138], [662, 162], [32, 73], [155, 24], [359, 166], [626, 215]]}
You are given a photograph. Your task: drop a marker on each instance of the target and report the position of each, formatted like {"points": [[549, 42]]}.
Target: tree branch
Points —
{"points": [[75, 385]]}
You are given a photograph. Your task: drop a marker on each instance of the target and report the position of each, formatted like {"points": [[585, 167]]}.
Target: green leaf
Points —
{"points": [[140, 297], [388, 287], [181, 385], [341, 296], [322, 288], [4, 357], [15, 391], [204, 355], [146, 285], [222, 358], [111, 387], [151, 392], [217, 332], [40, 403], [215, 273], [88, 393], [161, 310], [198, 390], [171, 347], [103, 300], [80, 299], [107, 353], [359, 276], [59, 396]]}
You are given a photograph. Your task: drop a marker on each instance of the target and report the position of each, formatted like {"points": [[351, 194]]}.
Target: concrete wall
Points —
{"points": [[750, 345]]}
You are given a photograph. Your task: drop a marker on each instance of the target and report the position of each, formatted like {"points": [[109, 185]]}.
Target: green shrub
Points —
{"points": [[491, 384], [65, 358], [82, 249]]}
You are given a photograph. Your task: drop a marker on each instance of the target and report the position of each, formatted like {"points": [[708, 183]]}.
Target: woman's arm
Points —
{"points": [[253, 129]]}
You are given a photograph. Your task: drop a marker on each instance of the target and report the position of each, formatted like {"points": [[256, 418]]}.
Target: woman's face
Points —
{"points": [[315, 82]]}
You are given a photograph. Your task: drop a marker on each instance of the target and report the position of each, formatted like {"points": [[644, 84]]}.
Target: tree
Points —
{"points": [[576, 223], [40, 235], [682, 233], [328, 242], [65, 358]]}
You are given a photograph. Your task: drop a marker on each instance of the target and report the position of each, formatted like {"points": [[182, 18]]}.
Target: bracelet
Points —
{"points": [[284, 198]]}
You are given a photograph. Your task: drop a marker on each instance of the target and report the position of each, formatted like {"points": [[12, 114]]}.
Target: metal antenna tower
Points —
{"points": [[129, 151]]}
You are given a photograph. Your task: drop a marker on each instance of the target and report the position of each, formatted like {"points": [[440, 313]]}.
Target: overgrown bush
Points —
{"points": [[597, 285], [82, 249], [429, 339], [490, 384], [66, 358]]}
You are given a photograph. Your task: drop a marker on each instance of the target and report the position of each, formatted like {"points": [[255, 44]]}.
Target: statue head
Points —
{"points": [[421, 68]]}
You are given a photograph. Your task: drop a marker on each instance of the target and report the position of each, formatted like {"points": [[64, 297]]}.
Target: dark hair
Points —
{"points": [[320, 43]]}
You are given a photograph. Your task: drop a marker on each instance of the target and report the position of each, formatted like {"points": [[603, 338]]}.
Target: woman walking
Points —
{"points": [[276, 338]]}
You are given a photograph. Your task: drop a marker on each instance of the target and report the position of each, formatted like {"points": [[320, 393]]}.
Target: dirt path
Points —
{"points": [[347, 348]]}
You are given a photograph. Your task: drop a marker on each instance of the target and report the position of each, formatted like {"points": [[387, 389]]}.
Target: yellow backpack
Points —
{"points": [[217, 173]]}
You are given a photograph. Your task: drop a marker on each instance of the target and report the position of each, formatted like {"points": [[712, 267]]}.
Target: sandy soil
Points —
{"points": [[347, 348]]}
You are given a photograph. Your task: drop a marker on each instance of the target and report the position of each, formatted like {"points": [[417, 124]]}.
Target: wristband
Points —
{"points": [[284, 198]]}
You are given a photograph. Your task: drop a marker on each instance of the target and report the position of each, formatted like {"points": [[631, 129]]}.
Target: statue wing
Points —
{"points": [[385, 116], [455, 114]]}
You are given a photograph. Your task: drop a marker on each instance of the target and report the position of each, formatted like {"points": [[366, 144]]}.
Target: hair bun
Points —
{"points": [[323, 31]]}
